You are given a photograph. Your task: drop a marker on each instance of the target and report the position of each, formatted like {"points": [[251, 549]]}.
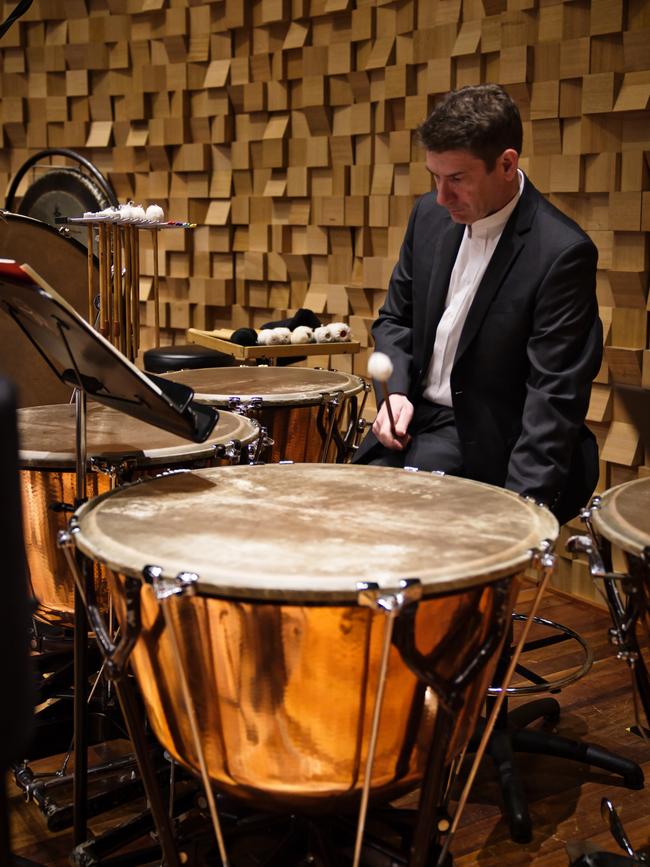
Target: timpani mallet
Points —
{"points": [[380, 368], [156, 287], [90, 263]]}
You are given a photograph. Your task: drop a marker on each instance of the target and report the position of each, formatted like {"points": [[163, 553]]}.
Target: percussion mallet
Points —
{"points": [[380, 368], [90, 271], [156, 287]]}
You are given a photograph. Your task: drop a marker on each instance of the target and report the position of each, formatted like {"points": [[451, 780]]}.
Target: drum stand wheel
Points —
{"points": [[510, 734]]}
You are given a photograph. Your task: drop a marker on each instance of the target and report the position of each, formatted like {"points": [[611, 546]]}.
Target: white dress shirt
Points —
{"points": [[474, 254]]}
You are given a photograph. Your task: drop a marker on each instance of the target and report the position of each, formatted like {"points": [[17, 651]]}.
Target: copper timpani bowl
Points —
{"points": [[281, 660], [120, 443], [290, 399]]}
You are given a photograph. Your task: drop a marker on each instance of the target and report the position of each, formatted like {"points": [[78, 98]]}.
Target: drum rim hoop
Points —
{"points": [[36, 459], [335, 594], [353, 385]]}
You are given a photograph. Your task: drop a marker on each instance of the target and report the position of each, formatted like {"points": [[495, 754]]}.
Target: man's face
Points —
{"points": [[467, 189]]}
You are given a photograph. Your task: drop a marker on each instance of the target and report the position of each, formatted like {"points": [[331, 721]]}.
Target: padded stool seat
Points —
{"points": [[190, 356]]}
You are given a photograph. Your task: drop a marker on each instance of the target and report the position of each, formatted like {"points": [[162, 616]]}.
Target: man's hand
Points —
{"points": [[402, 413]]}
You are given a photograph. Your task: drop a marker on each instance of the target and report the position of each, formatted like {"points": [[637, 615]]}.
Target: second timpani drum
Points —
{"points": [[621, 516], [249, 589], [312, 415], [119, 448], [621, 520]]}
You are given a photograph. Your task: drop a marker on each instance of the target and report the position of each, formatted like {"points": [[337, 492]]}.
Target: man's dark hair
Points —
{"points": [[481, 119]]}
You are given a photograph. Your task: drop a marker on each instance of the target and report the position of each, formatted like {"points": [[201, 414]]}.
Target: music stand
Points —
{"points": [[81, 357]]}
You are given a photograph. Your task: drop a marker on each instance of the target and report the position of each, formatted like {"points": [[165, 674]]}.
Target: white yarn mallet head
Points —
{"points": [[155, 214], [340, 332], [302, 334], [323, 334], [380, 368], [280, 336], [138, 214], [264, 336]]}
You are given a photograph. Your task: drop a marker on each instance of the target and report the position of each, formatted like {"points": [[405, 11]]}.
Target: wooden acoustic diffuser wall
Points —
{"points": [[283, 128]]}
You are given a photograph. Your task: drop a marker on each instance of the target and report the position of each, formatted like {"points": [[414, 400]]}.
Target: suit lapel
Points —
{"points": [[444, 256], [509, 247]]}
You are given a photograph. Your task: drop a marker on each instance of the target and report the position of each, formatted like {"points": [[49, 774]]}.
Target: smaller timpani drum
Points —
{"points": [[312, 415], [622, 516], [620, 524], [262, 598], [119, 449]]}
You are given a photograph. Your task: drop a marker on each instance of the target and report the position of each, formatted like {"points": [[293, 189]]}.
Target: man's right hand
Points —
{"points": [[402, 414]]}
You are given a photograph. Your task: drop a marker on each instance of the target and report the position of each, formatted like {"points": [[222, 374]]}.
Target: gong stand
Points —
{"points": [[625, 613], [81, 357]]}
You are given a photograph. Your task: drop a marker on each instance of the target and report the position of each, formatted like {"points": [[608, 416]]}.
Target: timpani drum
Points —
{"points": [[252, 583], [621, 520], [119, 449], [311, 414]]}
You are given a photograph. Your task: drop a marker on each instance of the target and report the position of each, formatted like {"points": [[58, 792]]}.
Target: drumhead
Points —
{"points": [[624, 516], [47, 437], [277, 386], [311, 532]]}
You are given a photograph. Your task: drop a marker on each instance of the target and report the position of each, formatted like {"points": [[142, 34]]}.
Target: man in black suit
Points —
{"points": [[490, 320]]}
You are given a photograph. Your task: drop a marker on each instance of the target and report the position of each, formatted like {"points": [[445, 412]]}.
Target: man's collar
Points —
{"points": [[492, 225]]}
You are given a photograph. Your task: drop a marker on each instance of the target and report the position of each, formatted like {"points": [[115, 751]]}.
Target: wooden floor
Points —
{"points": [[564, 796]]}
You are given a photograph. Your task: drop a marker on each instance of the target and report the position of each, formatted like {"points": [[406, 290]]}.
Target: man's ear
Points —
{"points": [[510, 162]]}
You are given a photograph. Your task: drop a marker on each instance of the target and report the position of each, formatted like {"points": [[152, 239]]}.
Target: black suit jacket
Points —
{"points": [[528, 352]]}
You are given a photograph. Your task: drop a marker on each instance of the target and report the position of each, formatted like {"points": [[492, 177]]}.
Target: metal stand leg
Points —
{"points": [[115, 660], [134, 724], [427, 828], [80, 786]]}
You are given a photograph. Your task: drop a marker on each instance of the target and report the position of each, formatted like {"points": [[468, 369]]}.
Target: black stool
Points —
{"points": [[510, 733], [189, 356]]}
